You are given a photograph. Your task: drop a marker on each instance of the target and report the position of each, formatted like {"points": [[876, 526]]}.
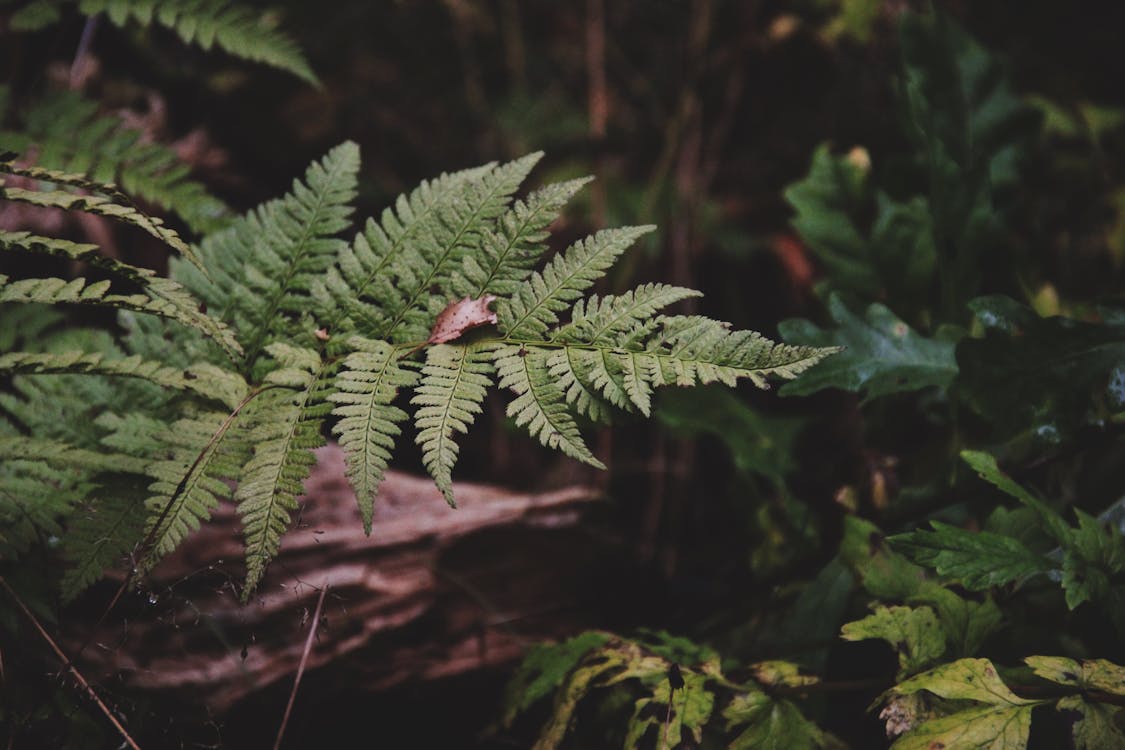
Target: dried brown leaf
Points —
{"points": [[460, 316]]}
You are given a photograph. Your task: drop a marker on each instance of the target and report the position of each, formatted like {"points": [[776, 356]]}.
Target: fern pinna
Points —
{"points": [[416, 319]]}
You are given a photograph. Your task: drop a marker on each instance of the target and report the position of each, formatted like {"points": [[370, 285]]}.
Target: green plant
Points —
{"points": [[304, 329], [913, 247]]}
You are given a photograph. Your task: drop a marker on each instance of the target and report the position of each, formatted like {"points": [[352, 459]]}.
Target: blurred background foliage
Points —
{"points": [[945, 195]]}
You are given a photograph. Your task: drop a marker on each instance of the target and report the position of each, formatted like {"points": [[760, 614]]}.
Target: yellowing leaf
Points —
{"points": [[983, 728], [1089, 674], [964, 679]]}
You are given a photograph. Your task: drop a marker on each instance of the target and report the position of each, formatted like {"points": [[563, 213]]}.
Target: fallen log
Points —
{"points": [[433, 592]]}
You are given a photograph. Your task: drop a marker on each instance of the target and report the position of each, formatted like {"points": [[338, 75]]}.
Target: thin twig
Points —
{"points": [[82, 54], [70, 665], [301, 666]]}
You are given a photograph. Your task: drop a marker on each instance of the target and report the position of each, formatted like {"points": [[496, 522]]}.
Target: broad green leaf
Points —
{"points": [[1096, 729], [544, 668], [1087, 674], [669, 710], [976, 559], [980, 728], [1048, 376], [985, 465], [914, 632], [884, 355], [964, 679], [773, 725], [784, 673]]}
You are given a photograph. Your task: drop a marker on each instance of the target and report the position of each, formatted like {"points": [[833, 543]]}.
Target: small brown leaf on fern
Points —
{"points": [[460, 316]]}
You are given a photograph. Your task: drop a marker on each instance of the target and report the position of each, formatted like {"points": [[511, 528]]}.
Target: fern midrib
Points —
{"points": [[255, 347], [372, 423], [424, 287]]}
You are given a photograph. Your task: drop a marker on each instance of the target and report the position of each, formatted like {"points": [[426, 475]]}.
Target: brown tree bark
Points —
{"points": [[433, 592]]}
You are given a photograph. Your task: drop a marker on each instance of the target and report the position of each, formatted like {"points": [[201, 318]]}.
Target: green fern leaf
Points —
{"points": [[540, 404], [536, 303], [352, 292], [601, 322], [100, 206], [34, 496], [454, 382], [62, 455], [283, 426], [429, 263], [262, 266], [365, 389], [68, 134], [507, 255], [170, 300], [189, 484], [100, 535], [207, 381], [572, 369], [212, 23]]}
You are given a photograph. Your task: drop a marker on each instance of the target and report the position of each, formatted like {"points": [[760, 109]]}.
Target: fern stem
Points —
{"points": [[301, 667]]}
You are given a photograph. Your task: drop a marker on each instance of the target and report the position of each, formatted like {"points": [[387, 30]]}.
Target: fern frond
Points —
{"points": [[361, 280], [34, 496], [207, 381], [189, 483], [366, 386], [70, 137], [535, 305], [99, 205], [540, 404], [506, 255], [170, 300], [601, 322], [262, 266], [454, 382], [572, 370], [212, 23], [283, 428], [428, 264], [100, 534], [62, 455]]}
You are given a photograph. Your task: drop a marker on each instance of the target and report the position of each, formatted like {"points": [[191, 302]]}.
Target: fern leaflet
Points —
{"points": [[535, 305], [454, 382], [283, 426], [539, 403], [365, 389]]}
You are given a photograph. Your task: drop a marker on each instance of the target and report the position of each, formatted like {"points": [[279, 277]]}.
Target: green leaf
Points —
{"points": [[1097, 728], [667, 712], [1087, 674], [365, 387], [544, 668], [773, 725], [977, 560], [455, 380], [826, 203], [70, 137], [914, 633], [540, 404], [100, 535], [1049, 376], [987, 727], [883, 355], [99, 205], [535, 304], [964, 679], [985, 466], [212, 23]]}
